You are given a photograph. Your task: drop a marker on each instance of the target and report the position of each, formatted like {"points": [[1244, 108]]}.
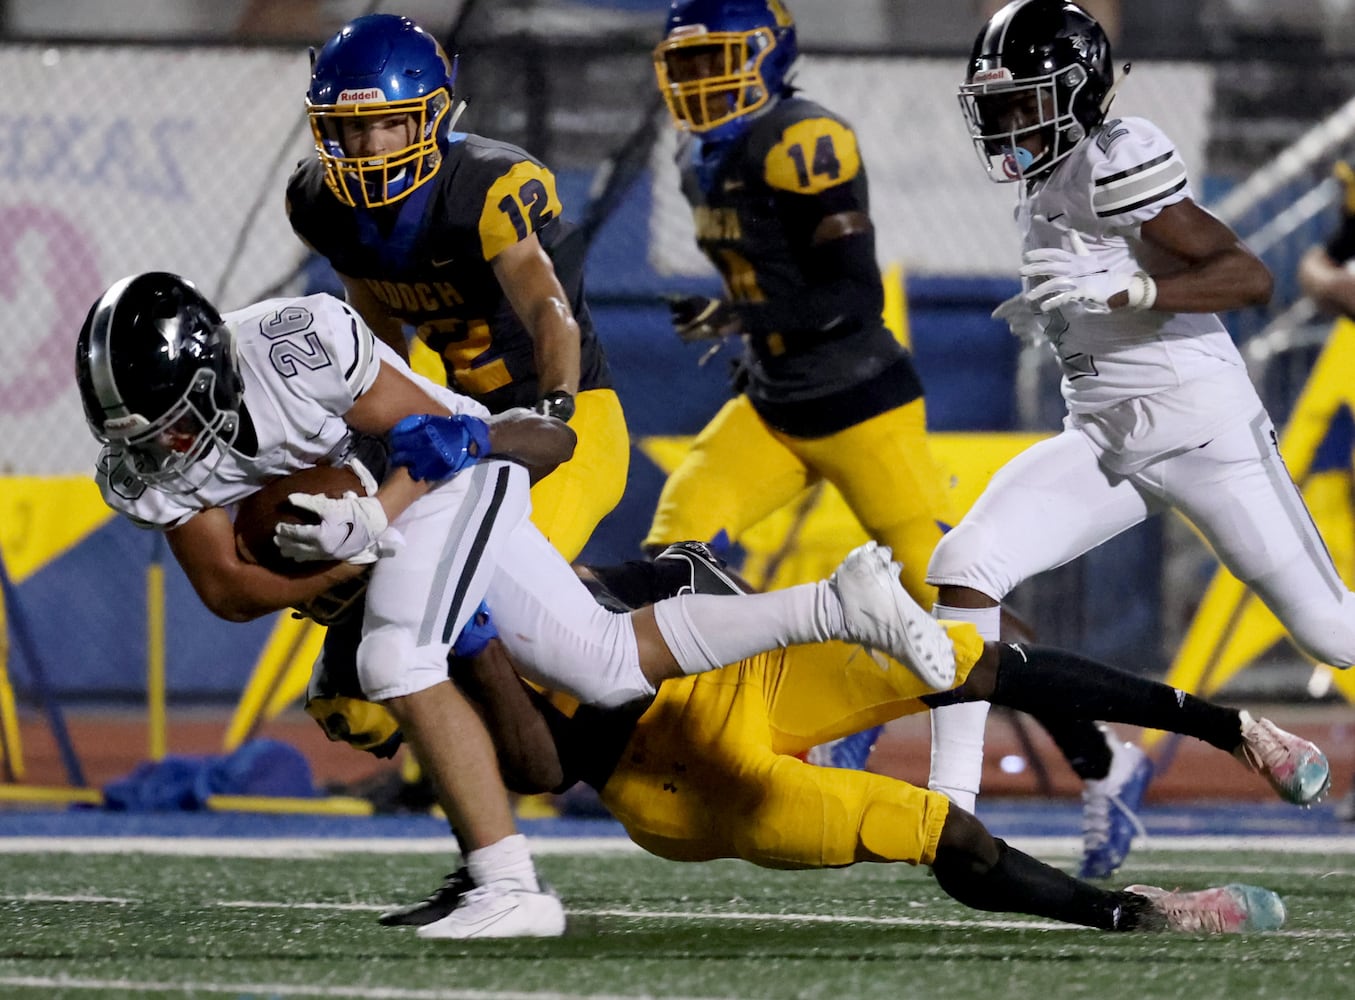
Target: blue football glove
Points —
{"points": [[476, 633], [437, 448]]}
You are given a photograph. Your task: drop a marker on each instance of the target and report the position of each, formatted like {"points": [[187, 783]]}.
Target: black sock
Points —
{"points": [[1019, 883], [1055, 684], [1083, 743]]}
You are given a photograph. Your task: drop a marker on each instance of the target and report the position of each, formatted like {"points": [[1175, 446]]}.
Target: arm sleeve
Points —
{"points": [[843, 292], [1136, 173]]}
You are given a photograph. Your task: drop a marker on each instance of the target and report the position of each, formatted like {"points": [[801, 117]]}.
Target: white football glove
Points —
{"points": [[1025, 321], [352, 528], [1063, 277]]}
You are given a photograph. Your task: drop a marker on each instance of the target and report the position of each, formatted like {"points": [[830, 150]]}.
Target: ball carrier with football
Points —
{"points": [[198, 412]]}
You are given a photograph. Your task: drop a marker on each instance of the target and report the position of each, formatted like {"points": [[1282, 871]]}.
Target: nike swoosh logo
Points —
{"points": [[1051, 218], [350, 526], [444, 263]]}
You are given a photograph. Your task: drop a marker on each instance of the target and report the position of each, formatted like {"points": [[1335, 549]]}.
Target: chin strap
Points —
{"points": [[1115, 86]]}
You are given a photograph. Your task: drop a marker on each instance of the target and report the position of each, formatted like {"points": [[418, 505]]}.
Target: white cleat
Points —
{"points": [[500, 910], [877, 612]]}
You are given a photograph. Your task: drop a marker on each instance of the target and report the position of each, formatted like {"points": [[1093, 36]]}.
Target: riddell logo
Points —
{"points": [[361, 96], [999, 75]]}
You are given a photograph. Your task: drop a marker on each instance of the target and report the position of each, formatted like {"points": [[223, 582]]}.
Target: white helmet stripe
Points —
{"points": [[100, 364]]}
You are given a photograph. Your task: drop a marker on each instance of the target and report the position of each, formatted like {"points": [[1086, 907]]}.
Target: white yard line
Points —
{"points": [[71, 983], [311, 847]]}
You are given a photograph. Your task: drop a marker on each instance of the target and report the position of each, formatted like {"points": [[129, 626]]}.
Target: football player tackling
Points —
{"points": [[1122, 273], [706, 769], [197, 411]]}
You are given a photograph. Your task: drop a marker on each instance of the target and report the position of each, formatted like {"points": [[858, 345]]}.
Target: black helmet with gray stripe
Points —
{"points": [[1052, 50], [158, 377]]}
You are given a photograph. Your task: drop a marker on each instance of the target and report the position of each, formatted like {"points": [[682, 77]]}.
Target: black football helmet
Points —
{"points": [[159, 380], [1049, 50]]}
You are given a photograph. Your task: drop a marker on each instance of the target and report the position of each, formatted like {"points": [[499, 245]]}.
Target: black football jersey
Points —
{"points": [[755, 218], [427, 258]]}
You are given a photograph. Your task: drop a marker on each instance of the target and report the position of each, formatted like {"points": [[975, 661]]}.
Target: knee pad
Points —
{"points": [[390, 664], [964, 558]]}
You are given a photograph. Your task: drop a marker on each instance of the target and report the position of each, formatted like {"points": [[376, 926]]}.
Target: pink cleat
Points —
{"points": [[1229, 909], [1295, 768]]}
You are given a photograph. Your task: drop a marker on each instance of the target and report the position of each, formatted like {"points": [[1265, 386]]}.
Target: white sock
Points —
{"points": [[506, 861], [706, 632], [957, 730]]}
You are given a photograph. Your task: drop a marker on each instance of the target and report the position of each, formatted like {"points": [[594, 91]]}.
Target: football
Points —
{"points": [[259, 513]]}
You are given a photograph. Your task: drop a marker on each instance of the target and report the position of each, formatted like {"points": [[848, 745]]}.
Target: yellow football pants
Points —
{"points": [[708, 772], [568, 504], [739, 470]]}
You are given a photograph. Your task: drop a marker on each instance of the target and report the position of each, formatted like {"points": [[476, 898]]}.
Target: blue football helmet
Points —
{"points": [[723, 60], [378, 69], [159, 380], [1050, 56]]}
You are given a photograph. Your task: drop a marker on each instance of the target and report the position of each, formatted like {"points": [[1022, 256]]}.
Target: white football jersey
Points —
{"points": [[1120, 177], [304, 362]]}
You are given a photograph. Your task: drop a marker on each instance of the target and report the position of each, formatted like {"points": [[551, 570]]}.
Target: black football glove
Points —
{"points": [[699, 317]]}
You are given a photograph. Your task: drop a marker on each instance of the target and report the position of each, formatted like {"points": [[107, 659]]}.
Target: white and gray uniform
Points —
{"points": [[1161, 416], [305, 361]]}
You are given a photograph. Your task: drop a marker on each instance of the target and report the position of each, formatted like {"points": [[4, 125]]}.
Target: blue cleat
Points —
{"points": [[849, 752], [1110, 808]]}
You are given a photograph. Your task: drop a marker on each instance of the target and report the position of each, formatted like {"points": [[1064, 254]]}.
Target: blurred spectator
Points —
{"points": [[1325, 271]]}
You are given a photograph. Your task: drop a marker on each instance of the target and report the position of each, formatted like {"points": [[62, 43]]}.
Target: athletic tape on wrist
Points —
{"points": [[1142, 291]]}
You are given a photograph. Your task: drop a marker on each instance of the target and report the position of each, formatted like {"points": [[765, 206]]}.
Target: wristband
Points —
{"points": [[558, 404], [1142, 291]]}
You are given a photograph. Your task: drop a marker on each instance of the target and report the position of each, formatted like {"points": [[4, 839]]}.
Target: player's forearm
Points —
{"points": [[536, 441], [556, 340], [526, 750], [1233, 279], [1329, 284]]}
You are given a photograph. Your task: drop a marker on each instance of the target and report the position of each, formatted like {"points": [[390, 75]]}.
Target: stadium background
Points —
{"points": [[159, 135]]}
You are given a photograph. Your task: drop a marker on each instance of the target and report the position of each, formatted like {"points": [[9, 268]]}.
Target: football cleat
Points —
{"points": [[706, 572], [1110, 808], [877, 612], [500, 910], [847, 752], [442, 902], [1229, 909], [1295, 768]]}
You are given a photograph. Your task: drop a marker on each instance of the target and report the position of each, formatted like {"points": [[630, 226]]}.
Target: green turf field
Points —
{"points": [[303, 925]]}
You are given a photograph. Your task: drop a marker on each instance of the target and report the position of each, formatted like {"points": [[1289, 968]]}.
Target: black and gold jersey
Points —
{"points": [[427, 258], [819, 358]]}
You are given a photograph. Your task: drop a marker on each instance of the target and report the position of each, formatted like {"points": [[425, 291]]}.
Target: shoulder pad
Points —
{"points": [[518, 202], [812, 155], [1134, 165]]}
